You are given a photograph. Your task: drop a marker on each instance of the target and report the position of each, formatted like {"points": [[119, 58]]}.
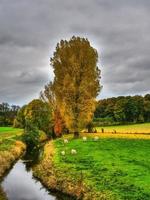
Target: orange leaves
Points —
{"points": [[58, 123]]}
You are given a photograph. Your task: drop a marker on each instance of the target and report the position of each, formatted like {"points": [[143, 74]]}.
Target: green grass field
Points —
{"points": [[119, 168], [8, 136], [9, 131], [134, 128]]}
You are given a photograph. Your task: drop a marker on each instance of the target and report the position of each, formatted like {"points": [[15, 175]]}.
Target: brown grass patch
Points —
{"points": [[8, 157]]}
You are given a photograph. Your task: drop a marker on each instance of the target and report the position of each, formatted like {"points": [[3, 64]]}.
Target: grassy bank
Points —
{"points": [[110, 168], [9, 156], [8, 138], [134, 128], [10, 150]]}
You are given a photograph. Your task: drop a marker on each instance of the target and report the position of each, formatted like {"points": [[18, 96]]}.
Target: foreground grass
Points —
{"points": [[134, 128], [118, 168], [10, 147]]}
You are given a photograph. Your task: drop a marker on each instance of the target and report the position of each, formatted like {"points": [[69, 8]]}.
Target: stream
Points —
{"points": [[19, 184]]}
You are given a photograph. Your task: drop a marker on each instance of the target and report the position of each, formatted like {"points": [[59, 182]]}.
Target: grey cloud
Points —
{"points": [[29, 31], [31, 78]]}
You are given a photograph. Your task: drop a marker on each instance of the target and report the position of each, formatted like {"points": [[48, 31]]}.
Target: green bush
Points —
{"points": [[31, 136]]}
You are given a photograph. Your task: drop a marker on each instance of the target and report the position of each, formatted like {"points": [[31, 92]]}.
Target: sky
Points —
{"points": [[30, 30]]}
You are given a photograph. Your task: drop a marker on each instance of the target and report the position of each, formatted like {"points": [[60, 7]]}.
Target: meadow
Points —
{"points": [[118, 168], [8, 136], [133, 128], [115, 167]]}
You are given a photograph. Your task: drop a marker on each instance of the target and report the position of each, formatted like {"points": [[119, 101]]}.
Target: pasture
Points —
{"points": [[119, 168], [8, 136], [133, 128]]}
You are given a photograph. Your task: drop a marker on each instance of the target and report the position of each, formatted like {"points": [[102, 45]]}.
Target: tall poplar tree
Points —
{"points": [[76, 82]]}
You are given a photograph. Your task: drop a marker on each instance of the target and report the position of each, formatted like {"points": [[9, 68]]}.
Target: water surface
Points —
{"points": [[19, 184]]}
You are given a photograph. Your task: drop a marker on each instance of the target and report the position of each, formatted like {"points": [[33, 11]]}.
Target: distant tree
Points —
{"points": [[38, 113], [7, 114], [147, 110], [76, 82], [100, 109], [119, 110], [139, 103], [105, 108], [123, 109], [4, 107], [19, 121], [130, 110], [14, 108], [109, 111], [4, 114], [3, 121]]}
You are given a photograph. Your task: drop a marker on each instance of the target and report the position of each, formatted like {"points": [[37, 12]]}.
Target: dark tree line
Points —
{"points": [[8, 114], [124, 109]]}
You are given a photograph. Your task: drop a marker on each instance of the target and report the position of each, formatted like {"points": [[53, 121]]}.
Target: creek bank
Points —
{"points": [[47, 174], [8, 157], [56, 180]]}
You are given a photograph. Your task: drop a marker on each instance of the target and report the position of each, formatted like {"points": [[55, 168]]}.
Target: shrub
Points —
{"points": [[31, 136]]}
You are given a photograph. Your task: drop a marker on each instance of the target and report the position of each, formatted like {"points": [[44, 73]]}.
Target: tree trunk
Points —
{"points": [[76, 134]]}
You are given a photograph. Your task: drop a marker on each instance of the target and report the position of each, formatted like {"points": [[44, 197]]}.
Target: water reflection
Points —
{"points": [[20, 185], [33, 157]]}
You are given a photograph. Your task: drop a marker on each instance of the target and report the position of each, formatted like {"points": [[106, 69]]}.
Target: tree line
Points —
{"points": [[7, 114], [123, 109]]}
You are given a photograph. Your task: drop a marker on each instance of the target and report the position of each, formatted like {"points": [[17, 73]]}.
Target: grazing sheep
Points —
{"points": [[73, 151], [63, 153], [65, 141], [96, 138], [84, 138]]}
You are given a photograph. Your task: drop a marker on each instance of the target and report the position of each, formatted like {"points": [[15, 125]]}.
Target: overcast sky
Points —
{"points": [[30, 30]]}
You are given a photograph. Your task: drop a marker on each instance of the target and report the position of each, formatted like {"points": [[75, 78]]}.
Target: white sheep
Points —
{"points": [[66, 141], [84, 139], [63, 153], [96, 138], [73, 151]]}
